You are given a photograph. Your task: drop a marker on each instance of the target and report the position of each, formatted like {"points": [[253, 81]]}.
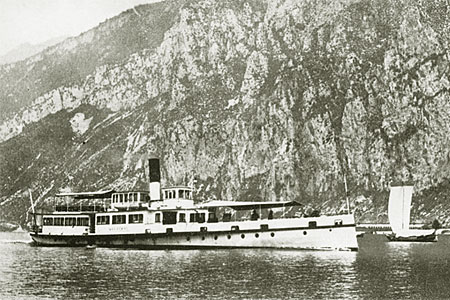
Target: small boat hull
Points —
{"points": [[413, 238]]}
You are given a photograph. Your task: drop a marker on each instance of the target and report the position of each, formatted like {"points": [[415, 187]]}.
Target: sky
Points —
{"points": [[37, 21]]}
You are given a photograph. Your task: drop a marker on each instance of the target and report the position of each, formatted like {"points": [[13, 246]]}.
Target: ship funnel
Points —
{"points": [[155, 178]]}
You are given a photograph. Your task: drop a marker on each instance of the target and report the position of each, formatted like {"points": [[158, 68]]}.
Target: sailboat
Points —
{"points": [[399, 211]]}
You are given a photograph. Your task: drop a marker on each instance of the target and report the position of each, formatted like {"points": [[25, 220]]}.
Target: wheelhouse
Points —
{"points": [[178, 197]]}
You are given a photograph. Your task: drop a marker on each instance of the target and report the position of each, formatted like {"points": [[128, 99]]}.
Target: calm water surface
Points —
{"points": [[380, 270]]}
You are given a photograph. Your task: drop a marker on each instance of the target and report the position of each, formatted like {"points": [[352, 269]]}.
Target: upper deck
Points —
{"points": [[172, 197], [111, 200]]}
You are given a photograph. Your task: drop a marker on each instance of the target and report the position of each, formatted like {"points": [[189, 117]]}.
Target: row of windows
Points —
{"points": [[68, 221], [128, 197], [193, 217], [120, 219], [172, 194]]}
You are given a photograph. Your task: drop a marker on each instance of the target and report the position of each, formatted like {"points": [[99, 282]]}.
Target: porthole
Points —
{"points": [[188, 239], [304, 232], [242, 235], [256, 235], [229, 236], [272, 234], [203, 238], [215, 237], [331, 229]]}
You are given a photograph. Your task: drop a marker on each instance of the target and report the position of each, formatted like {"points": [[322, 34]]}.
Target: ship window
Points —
{"points": [[181, 193], [226, 217], [103, 220], [133, 219], [193, 218], [212, 218], [70, 222], [201, 217], [125, 198], [188, 194], [158, 218], [58, 221], [166, 195], [182, 218], [82, 221], [120, 198], [169, 217], [119, 219], [48, 221], [312, 224]]}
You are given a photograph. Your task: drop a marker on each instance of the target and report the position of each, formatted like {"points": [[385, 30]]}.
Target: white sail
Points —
{"points": [[399, 208]]}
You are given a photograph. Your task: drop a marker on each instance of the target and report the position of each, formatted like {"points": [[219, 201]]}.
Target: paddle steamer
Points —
{"points": [[169, 218]]}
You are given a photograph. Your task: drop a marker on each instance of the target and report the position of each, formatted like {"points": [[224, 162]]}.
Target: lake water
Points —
{"points": [[380, 270]]}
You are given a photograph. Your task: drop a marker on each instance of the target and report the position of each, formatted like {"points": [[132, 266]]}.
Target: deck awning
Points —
{"points": [[88, 195], [241, 205]]}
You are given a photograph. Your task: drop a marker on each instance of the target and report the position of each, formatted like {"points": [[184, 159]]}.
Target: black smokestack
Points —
{"points": [[154, 171]]}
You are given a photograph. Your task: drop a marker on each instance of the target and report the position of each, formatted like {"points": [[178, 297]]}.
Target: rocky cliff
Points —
{"points": [[256, 100]]}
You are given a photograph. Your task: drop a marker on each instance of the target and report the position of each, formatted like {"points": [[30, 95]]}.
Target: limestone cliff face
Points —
{"points": [[255, 100]]}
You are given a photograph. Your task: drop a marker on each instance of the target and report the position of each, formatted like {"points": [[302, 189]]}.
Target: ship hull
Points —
{"points": [[325, 238], [414, 238]]}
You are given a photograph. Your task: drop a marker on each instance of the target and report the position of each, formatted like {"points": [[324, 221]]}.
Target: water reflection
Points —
{"points": [[379, 270], [402, 270]]}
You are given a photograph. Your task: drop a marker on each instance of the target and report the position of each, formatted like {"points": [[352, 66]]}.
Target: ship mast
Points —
{"points": [[346, 194]]}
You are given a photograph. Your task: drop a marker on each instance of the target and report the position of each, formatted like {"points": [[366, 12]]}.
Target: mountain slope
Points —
{"points": [[256, 100], [72, 60], [26, 50]]}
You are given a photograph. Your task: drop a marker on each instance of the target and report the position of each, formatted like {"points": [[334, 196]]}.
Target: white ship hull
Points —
{"points": [[284, 233]]}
